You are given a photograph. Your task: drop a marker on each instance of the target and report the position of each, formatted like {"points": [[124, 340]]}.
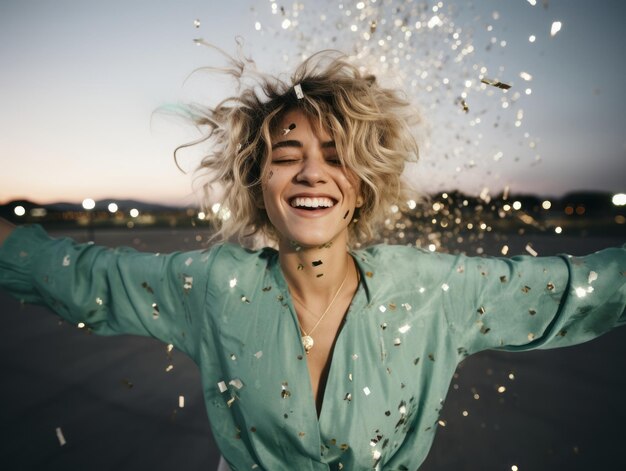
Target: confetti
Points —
{"points": [[495, 83], [196, 23], [593, 276], [188, 284], [222, 386], [367, 391], [236, 383], [60, 436], [530, 250], [155, 311], [298, 89], [66, 261], [285, 393], [316, 263], [555, 28], [287, 130], [404, 329], [233, 282], [181, 401], [258, 354]]}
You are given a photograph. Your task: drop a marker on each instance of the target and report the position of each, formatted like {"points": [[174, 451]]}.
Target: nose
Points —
{"points": [[312, 171]]}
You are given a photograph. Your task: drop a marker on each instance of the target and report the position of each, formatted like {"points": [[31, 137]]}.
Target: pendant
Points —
{"points": [[307, 343]]}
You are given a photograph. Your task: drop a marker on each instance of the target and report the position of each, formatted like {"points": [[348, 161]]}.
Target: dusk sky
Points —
{"points": [[81, 81]]}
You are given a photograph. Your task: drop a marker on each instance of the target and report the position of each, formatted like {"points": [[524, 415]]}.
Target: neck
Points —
{"points": [[315, 273]]}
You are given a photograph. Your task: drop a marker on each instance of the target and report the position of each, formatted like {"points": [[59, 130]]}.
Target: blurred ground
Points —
{"points": [[118, 407]]}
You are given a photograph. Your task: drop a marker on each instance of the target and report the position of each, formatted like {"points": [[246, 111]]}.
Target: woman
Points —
{"points": [[316, 356]]}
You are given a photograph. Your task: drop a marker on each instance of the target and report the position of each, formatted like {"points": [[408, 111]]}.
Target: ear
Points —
{"points": [[359, 201]]}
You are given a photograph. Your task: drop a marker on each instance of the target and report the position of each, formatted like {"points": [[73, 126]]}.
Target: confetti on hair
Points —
{"points": [[316, 263], [298, 89]]}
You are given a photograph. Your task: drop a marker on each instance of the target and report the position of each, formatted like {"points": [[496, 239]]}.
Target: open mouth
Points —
{"points": [[311, 204]]}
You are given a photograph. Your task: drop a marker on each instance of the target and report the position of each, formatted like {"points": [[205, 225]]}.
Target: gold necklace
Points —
{"points": [[307, 340]]}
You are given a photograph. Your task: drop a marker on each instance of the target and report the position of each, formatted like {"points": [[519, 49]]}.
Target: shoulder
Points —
{"points": [[398, 261], [229, 255]]}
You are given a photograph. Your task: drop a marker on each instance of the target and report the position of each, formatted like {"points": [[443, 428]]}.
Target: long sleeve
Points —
{"points": [[526, 302], [111, 291]]}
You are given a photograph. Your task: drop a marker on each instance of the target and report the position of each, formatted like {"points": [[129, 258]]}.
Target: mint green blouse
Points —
{"points": [[415, 315]]}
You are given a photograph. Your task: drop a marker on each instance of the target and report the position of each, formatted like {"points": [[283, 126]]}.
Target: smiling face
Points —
{"points": [[309, 196]]}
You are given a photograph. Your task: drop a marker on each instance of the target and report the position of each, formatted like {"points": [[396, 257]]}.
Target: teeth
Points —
{"points": [[301, 202]]}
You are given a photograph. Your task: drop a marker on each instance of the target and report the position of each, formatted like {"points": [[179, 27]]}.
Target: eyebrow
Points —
{"points": [[294, 143]]}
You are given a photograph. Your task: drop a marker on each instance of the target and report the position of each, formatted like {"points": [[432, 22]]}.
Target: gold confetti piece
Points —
{"points": [[526, 76], [530, 250], [155, 311], [60, 436], [267, 288], [550, 286], [369, 274], [501, 389], [503, 279], [349, 376], [442, 423], [445, 287], [196, 23], [531, 336], [367, 391], [245, 300], [99, 301], [66, 261], [397, 341], [188, 284], [233, 282], [382, 308], [464, 106], [404, 329], [291, 127], [373, 26], [222, 386], [80, 325], [298, 89], [181, 401], [236, 383], [189, 261], [233, 356], [230, 401], [316, 263], [481, 310], [147, 287], [348, 397], [593, 276], [431, 357], [354, 356], [495, 83], [525, 289], [532, 312], [258, 354], [555, 28], [285, 393], [300, 267], [169, 368]]}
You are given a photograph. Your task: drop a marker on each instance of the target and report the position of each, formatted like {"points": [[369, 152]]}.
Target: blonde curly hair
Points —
{"points": [[371, 127]]}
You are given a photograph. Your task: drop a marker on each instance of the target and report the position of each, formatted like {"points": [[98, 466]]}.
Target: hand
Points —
{"points": [[5, 229]]}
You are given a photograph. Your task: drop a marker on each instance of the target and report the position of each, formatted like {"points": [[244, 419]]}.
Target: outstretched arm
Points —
{"points": [[5, 230], [111, 291]]}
